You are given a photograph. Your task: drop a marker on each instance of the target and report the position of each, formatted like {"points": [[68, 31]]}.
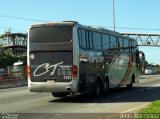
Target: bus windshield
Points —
{"points": [[50, 34]]}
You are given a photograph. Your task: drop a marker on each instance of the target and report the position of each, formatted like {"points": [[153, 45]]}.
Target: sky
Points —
{"points": [[141, 16]]}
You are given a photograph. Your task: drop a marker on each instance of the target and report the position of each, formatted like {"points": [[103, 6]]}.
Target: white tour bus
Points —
{"points": [[67, 57]]}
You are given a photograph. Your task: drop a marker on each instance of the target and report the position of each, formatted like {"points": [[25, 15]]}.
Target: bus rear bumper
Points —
{"points": [[52, 87]]}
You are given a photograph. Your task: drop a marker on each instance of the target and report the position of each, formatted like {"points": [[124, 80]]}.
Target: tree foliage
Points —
{"points": [[8, 60]]}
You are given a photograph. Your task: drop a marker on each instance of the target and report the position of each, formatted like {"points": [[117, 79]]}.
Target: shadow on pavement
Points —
{"points": [[136, 94]]}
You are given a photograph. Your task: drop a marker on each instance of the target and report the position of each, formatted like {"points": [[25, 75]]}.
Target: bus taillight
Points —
{"points": [[74, 71], [28, 71]]}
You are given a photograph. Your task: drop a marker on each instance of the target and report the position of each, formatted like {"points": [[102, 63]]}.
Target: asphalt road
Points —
{"points": [[20, 103]]}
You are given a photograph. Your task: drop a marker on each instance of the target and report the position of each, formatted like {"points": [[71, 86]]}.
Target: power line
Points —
{"points": [[28, 19], [132, 28], [20, 18], [138, 28]]}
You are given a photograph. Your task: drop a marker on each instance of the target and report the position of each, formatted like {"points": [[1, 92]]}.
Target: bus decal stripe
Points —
{"points": [[129, 69]]}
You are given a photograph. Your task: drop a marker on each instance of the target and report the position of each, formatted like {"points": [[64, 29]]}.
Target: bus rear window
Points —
{"points": [[50, 34]]}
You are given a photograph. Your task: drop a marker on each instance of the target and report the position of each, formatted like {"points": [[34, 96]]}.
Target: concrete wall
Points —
{"points": [[11, 83]]}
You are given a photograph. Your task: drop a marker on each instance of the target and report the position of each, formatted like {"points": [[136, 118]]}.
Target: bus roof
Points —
{"points": [[54, 24], [72, 23]]}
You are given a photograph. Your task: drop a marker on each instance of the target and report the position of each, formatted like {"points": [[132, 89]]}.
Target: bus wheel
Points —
{"points": [[130, 85], [59, 94], [97, 90], [105, 87], [133, 81]]}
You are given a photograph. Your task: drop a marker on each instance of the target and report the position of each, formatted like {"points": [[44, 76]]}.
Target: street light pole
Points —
{"points": [[113, 17]]}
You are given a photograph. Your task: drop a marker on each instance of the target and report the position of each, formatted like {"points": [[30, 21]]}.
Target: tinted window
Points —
{"points": [[87, 40], [135, 44], [121, 44], [50, 34], [97, 41], [113, 42], [126, 45], [132, 45], [83, 38], [105, 41], [80, 37], [90, 40], [149, 68]]}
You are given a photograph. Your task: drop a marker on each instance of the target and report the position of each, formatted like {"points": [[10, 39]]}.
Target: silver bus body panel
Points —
{"points": [[53, 87]]}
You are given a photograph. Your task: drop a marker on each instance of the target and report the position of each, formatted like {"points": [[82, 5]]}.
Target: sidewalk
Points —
{"points": [[11, 83]]}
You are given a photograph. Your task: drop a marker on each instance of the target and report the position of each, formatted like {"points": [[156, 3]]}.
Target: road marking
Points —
{"points": [[143, 106], [117, 97], [157, 85]]}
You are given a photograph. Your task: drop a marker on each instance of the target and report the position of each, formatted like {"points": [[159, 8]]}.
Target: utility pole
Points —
{"points": [[113, 16]]}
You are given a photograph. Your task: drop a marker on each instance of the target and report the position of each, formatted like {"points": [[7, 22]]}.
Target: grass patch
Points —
{"points": [[152, 108], [150, 112]]}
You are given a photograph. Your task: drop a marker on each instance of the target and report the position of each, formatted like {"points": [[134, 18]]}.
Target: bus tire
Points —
{"points": [[59, 94], [105, 86], [131, 84], [97, 91]]}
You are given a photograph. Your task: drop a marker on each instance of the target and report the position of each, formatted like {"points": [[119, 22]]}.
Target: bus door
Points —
{"points": [[117, 69]]}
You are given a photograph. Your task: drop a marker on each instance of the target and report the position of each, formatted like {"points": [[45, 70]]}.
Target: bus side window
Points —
{"points": [[135, 44], [87, 40], [90, 40], [132, 46], [80, 37], [105, 41], [113, 43], [118, 43], [97, 41], [126, 45], [121, 44], [83, 38], [129, 45]]}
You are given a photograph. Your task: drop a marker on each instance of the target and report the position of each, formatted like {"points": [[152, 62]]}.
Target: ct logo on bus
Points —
{"points": [[46, 67]]}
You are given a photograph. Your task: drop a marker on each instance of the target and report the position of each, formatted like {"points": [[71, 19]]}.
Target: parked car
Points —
{"points": [[150, 71]]}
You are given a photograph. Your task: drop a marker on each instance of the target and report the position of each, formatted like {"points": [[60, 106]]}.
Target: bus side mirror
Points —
{"points": [[141, 55]]}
